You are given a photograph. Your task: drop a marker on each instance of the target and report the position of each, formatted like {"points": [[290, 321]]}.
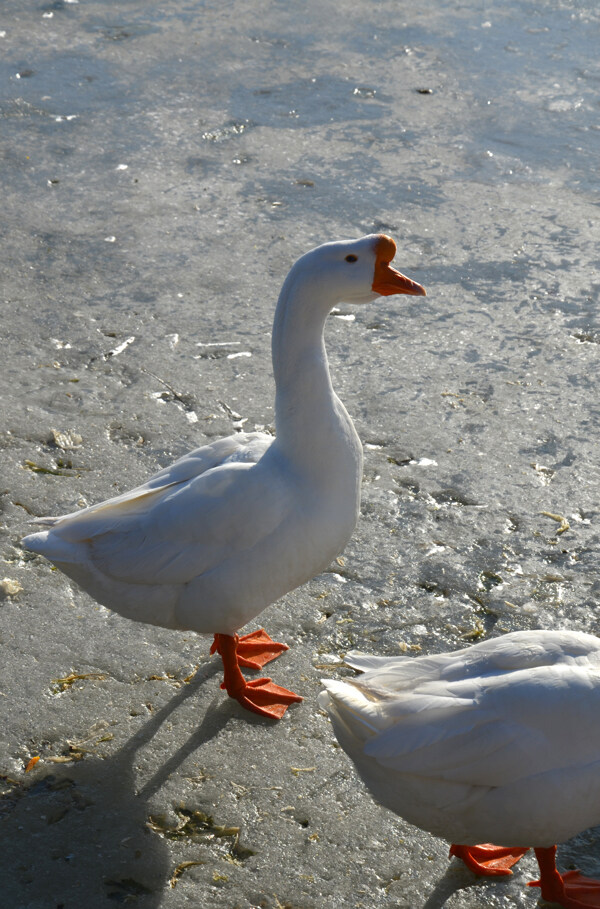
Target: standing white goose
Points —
{"points": [[497, 743], [207, 543]]}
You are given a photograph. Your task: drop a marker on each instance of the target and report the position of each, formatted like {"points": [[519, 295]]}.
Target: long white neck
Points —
{"points": [[312, 425]]}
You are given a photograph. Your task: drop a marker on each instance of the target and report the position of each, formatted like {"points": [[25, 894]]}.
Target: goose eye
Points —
{"points": [[351, 258]]}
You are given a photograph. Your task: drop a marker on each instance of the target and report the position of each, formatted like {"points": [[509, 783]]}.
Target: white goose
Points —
{"points": [[497, 743], [207, 543]]}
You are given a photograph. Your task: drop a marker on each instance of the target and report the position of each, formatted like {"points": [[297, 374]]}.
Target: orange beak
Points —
{"points": [[388, 281]]}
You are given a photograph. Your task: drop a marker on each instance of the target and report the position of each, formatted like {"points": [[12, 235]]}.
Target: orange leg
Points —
{"points": [[487, 859], [571, 890], [260, 695]]}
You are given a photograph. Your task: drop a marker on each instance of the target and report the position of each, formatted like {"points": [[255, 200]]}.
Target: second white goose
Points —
{"points": [[497, 744]]}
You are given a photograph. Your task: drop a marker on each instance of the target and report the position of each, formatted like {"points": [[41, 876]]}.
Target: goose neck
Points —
{"points": [[306, 407]]}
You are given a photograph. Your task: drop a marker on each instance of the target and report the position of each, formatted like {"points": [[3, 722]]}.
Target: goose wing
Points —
{"points": [[496, 731], [186, 519], [516, 706]]}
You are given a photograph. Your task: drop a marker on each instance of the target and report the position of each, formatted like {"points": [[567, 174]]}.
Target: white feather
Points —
{"points": [[499, 742]]}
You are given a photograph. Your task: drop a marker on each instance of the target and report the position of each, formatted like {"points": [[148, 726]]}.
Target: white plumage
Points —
{"points": [[207, 543], [497, 743]]}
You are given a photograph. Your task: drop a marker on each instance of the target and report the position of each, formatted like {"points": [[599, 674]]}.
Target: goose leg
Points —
{"points": [[261, 696], [487, 859], [571, 890]]}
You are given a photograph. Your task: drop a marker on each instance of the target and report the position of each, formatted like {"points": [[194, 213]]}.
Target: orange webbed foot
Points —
{"points": [[260, 696], [489, 860], [264, 697], [571, 890], [258, 648]]}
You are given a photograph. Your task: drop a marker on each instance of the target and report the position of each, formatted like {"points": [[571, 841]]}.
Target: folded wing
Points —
{"points": [[212, 503]]}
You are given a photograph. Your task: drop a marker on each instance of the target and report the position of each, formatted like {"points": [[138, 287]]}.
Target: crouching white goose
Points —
{"points": [[207, 543], [497, 743]]}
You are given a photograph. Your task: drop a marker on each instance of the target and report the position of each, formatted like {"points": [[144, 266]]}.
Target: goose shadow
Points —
{"points": [[455, 878], [77, 834]]}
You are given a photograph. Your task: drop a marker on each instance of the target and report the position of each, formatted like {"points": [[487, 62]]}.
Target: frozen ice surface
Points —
{"points": [[163, 165]]}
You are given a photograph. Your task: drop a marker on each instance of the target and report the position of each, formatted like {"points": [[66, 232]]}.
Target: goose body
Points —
{"points": [[497, 743], [210, 541]]}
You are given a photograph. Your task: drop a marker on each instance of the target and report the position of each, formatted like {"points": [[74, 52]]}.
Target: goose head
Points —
{"points": [[352, 271]]}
